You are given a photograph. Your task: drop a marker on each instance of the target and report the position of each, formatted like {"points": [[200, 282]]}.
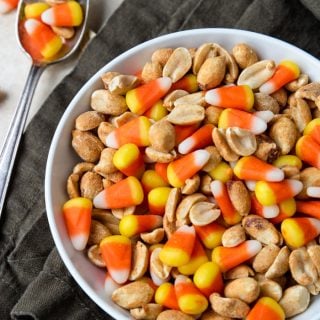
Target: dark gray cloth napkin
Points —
{"points": [[34, 283]]}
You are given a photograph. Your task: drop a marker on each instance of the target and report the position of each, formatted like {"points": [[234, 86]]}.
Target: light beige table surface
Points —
{"points": [[14, 65]]}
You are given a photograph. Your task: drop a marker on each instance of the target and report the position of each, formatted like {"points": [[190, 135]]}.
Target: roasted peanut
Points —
{"points": [[270, 288], [105, 164], [173, 315], [280, 265], [186, 114], [244, 55], [151, 71], [95, 257], [153, 237], [89, 120], [239, 196], [241, 271], [121, 84], [139, 261], [149, 311], [233, 236], [220, 141], [73, 186], [98, 231], [161, 55], [191, 185], [264, 102], [264, 259], [203, 213], [162, 136]]}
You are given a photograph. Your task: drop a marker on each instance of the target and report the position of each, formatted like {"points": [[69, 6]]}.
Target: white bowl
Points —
{"points": [[62, 158]]}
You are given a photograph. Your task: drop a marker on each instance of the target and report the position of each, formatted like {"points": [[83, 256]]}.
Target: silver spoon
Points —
{"points": [[12, 140]]}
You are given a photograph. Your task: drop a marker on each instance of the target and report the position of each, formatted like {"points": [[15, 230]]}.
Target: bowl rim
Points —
{"points": [[54, 143]]}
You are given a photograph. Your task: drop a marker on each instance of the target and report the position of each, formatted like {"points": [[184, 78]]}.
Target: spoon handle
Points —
{"points": [[11, 143]]}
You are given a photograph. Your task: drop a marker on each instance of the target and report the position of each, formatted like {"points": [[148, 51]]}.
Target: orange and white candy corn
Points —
{"points": [[287, 209], [230, 214], [151, 179], [308, 150], [266, 308], [161, 170], [242, 119], [285, 72], [313, 129], [270, 193], [135, 131], [125, 193], [180, 170], [142, 98], [110, 285], [157, 199], [228, 258], [134, 224], [252, 168], [166, 296], [211, 234], [77, 216], [188, 83], [34, 10], [263, 211], [68, 14], [310, 208], [43, 39], [199, 139], [190, 299], [183, 132], [116, 252], [236, 97], [299, 231], [178, 249], [157, 111], [8, 5]]}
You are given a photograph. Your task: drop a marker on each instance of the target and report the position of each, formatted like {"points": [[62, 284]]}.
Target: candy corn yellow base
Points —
{"points": [[52, 48], [292, 233], [174, 257], [193, 304], [265, 194]]}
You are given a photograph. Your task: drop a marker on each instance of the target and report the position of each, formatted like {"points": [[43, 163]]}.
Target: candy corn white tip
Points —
{"points": [[253, 247], [186, 145], [110, 285], [211, 97], [313, 192], [258, 125], [251, 184], [119, 276], [296, 186], [275, 175], [181, 279], [165, 83], [265, 115], [111, 141], [5, 7], [48, 17], [216, 187], [267, 88], [79, 241], [187, 229], [201, 157], [31, 25], [270, 211], [99, 200]]}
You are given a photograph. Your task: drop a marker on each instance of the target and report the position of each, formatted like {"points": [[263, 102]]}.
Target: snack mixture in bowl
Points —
{"points": [[197, 185]]}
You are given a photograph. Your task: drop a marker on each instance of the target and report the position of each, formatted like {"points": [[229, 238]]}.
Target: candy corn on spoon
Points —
{"points": [[34, 27]]}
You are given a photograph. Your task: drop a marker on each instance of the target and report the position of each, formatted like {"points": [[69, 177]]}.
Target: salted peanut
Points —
{"points": [[82, 167], [228, 307], [88, 120], [314, 254], [149, 311], [267, 150], [157, 267], [270, 288], [162, 136], [244, 55], [300, 113], [107, 78], [214, 159], [151, 71], [191, 185], [140, 259], [211, 315], [122, 119], [241, 141], [212, 115], [192, 98], [90, 185], [314, 288], [310, 177], [172, 203], [205, 184], [280, 264], [172, 97], [107, 218], [161, 55], [122, 212], [265, 257], [103, 130], [169, 226], [302, 268], [284, 133], [98, 231], [241, 271], [261, 229], [186, 114], [73, 188], [86, 145], [263, 101], [294, 85], [281, 96], [115, 176], [95, 257], [133, 295], [153, 237], [173, 315], [295, 300], [233, 236], [64, 32], [203, 213], [204, 52], [239, 196], [257, 74], [211, 73], [310, 91], [178, 64], [186, 204], [220, 141], [105, 164], [120, 84], [158, 156], [245, 289]]}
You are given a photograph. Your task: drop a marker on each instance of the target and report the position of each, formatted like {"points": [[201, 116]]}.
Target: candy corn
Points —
{"points": [[142, 98], [8, 5], [166, 296], [208, 278], [157, 199], [125, 193], [228, 258], [308, 150], [178, 249], [190, 299], [188, 83], [34, 10], [116, 252], [299, 231], [68, 14], [288, 160], [135, 131], [252, 168], [44, 40], [183, 132], [198, 257], [311, 208], [180, 170], [313, 129], [287, 209], [161, 170], [133, 224], [110, 285], [129, 160], [151, 179], [220, 193], [157, 111], [222, 172], [211, 234], [266, 308], [236, 97], [270, 193], [313, 192], [245, 120], [77, 216], [263, 211], [285, 72], [199, 139]]}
